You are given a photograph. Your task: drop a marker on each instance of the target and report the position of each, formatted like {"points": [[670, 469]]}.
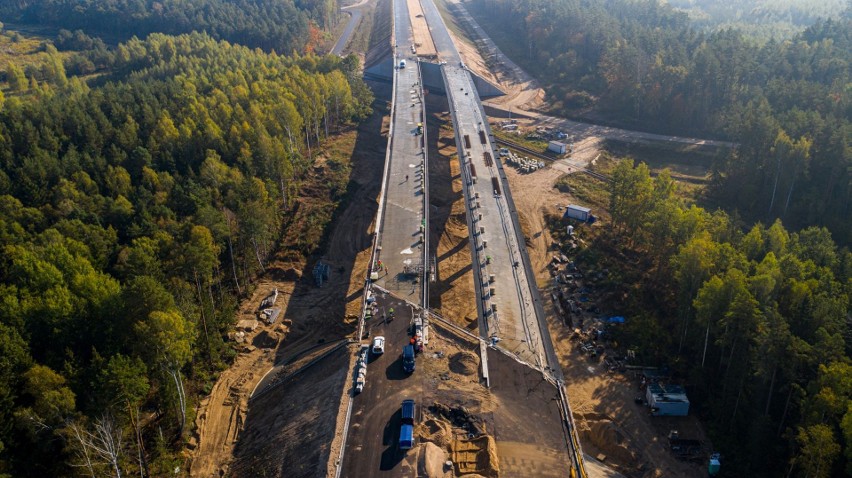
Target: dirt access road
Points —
{"points": [[355, 12]]}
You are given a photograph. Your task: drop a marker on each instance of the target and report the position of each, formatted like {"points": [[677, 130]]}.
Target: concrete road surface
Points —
{"points": [[499, 251], [400, 240]]}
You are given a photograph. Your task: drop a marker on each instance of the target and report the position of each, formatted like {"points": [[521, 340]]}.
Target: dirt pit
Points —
{"points": [[464, 363], [476, 455], [459, 417], [470, 456], [438, 432]]}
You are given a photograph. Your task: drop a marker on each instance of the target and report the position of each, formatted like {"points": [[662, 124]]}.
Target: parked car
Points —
{"points": [[408, 358], [378, 345]]}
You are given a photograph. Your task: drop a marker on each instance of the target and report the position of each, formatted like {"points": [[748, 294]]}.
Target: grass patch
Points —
{"points": [[591, 191], [685, 160], [688, 165], [451, 21], [360, 41], [25, 49], [533, 144]]}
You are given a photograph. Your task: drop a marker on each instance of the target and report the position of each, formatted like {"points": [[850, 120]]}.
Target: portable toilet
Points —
{"points": [[715, 466]]}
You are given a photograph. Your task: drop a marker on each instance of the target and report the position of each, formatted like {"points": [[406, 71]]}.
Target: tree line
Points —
{"points": [[133, 212], [787, 102], [773, 19], [280, 25], [754, 320]]}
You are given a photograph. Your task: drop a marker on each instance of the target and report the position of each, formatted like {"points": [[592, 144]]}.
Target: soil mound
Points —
{"points": [[464, 363], [432, 461], [606, 436], [460, 417]]}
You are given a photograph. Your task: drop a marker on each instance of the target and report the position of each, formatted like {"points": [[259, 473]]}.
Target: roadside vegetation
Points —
{"points": [[134, 212], [644, 65], [754, 320], [762, 20], [281, 25]]}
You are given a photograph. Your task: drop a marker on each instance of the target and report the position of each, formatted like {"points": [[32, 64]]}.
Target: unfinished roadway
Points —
{"points": [[506, 292], [511, 320], [508, 298]]}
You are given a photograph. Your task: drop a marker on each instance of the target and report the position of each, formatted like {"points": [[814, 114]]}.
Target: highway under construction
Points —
{"points": [[512, 342]]}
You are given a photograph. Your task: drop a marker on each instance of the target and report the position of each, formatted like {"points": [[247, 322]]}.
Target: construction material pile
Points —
{"points": [[523, 163]]}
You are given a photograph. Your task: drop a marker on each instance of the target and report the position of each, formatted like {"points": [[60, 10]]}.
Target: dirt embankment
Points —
{"points": [[422, 37], [481, 55], [310, 314]]}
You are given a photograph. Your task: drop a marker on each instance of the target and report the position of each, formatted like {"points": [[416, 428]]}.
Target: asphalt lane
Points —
{"points": [[372, 447], [373, 435], [354, 18]]}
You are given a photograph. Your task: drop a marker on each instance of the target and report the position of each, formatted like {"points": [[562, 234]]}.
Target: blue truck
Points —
{"points": [[406, 437], [406, 432]]}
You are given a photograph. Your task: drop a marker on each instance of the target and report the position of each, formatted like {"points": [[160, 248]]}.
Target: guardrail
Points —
{"points": [[424, 281], [576, 449]]}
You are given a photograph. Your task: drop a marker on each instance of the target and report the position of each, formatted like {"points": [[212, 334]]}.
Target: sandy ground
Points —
{"points": [[610, 425], [523, 92], [535, 196], [422, 38], [287, 435], [221, 414]]}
